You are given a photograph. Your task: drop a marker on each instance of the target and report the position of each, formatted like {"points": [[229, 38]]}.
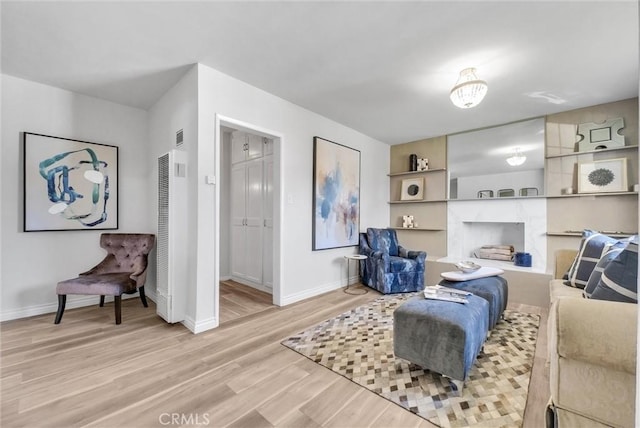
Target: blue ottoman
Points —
{"points": [[443, 337], [494, 289]]}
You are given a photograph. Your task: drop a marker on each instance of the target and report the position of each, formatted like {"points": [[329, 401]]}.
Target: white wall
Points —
{"points": [[178, 109], [191, 105], [33, 262], [304, 273]]}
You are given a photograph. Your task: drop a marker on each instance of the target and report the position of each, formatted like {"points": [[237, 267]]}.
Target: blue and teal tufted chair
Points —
{"points": [[389, 267]]}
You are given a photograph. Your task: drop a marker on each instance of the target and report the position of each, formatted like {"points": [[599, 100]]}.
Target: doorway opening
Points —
{"points": [[248, 219]]}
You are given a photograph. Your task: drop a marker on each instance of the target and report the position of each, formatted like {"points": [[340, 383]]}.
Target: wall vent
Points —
{"points": [[171, 252], [179, 138]]}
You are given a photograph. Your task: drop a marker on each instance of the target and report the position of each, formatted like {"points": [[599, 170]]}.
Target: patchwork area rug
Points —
{"points": [[359, 346]]}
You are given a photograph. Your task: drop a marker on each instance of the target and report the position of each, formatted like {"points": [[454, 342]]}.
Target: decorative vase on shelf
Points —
{"points": [[413, 162]]}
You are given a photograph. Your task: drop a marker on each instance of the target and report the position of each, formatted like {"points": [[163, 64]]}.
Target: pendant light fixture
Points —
{"points": [[517, 159], [469, 90]]}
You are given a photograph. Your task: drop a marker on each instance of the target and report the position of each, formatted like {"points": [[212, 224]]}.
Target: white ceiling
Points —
{"points": [[383, 68]]}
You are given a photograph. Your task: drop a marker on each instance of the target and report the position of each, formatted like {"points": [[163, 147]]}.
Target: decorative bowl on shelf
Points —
{"points": [[467, 266]]}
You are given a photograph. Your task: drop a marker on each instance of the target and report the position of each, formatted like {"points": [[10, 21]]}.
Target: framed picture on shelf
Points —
{"points": [[336, 195], [603, 176], [412, 189], [69, 184]]}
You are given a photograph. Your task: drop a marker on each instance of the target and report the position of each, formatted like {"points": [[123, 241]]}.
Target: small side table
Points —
{"points": [[357, 258]]}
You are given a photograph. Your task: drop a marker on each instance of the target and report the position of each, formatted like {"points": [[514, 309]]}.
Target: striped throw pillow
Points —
{"points": [[619, 281], [594, 279], [592, 247]]}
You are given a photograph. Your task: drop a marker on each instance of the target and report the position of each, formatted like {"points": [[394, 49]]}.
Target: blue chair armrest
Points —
{"points": [[420, 256], [377, 257]]}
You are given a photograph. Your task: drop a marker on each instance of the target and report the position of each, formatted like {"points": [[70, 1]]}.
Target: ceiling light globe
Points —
{"points": [[469, 91], [517, 159]]}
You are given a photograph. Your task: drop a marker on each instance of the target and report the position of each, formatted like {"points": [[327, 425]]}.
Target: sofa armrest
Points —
{"points": [[597, 332], [592, 349], [564, 260]]}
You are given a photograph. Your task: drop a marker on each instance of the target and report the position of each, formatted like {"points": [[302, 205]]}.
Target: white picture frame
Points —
{"points": [[603, 176], [412, 189]]}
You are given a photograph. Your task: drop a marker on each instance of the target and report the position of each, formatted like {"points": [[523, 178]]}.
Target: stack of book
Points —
{"points": [[496, 252], [438, 292]]}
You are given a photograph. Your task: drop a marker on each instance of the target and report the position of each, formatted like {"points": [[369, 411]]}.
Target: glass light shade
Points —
{"points": [[517, 158], [469, 90]]}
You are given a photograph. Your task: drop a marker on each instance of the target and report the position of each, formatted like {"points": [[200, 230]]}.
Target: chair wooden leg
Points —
{"points": [[62, 300], [143, 297], [101, 301], [118, 305]]}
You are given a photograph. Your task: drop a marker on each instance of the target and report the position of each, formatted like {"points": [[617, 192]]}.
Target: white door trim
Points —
{"points": [[278, 138]]}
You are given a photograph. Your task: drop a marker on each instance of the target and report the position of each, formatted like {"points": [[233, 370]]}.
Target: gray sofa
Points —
{"points": [[592, 356]]}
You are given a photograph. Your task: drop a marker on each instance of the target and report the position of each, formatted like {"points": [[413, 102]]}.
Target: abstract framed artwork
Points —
{"points": [[69, 184], [412, 189], [336, 195], [601, 176]]}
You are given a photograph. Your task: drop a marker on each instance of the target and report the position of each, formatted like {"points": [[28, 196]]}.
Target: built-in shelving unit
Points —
{"points": [[569, 214], [498, 198], [591, 152], [418, 202], [397, 174], [419, 229], [430, 212], [579, 234], [584, 195]]}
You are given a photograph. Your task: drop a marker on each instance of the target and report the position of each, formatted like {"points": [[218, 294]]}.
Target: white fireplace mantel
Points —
{"points": [[532, 213]]}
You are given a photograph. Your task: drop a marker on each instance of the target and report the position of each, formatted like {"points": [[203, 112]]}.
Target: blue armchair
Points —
{"points": [[390, 268]]}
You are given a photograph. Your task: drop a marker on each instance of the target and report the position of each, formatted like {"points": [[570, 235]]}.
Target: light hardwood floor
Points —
{"points": [[239, 300], [87, 371]]}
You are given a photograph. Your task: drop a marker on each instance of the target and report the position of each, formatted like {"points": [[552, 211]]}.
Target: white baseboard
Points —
{"points": [[199, 327], [252, 284], [151, 294], [77, 301], [306, 294]]}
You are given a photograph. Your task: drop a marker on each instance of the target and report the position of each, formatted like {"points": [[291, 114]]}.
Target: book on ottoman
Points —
{"points": [[438, 292]]}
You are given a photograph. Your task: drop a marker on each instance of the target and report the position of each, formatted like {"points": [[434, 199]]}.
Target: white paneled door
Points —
{"points": [[254, 221], [252, 210], [267, 236]]}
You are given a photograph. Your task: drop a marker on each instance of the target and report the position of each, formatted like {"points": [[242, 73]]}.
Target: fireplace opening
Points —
{"points": [[521, 222], [479, 234]]}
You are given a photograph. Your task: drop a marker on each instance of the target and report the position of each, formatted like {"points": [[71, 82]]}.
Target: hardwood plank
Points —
{"points": [[335, 397], [87, 371], [239, 405], [252, 419], [238, 300], [397, 417], [187, 396], [257, 371], [298, 419], [281, 408], [363, 410], [237, 290]]}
